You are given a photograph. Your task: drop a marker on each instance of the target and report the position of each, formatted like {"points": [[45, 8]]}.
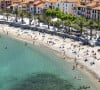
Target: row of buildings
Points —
{"points": [[86, 8], [89, 9]]}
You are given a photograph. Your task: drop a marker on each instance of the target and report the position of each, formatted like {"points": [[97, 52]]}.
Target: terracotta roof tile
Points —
{"points": [[97, 8], [79, 5]]}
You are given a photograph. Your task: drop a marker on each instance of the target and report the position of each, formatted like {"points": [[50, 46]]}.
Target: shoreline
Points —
{"points": [[92, 75]]}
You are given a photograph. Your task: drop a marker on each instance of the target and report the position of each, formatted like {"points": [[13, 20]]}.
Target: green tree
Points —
{"points": [[7, 15], [69, 21], [57, 23], [81, 21], [60, 15], [22, 15], [16, 12], [39, 19], [30, 16], [49, 12], [48, 21], [91, 25]]}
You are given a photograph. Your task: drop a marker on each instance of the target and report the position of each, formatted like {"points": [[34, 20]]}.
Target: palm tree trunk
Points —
{"points": [[62, 23], [29, 21], [48, 26], [81, 31], [69, 29], [16, 18], [22, 20], [38, 23], [91, 34], [7, 18]]}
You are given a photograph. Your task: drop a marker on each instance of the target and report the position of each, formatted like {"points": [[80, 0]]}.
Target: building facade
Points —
{"points": [[90, 10], [4, 4]]}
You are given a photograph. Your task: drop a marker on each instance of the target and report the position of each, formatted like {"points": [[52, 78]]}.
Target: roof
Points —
{"points": [[15, 1], [12, 5], [40, 5], [71, 0], [97, 8], [79, 5], [5, 0], [39, 2], [31, 5], [91, 4], [53, 1]]}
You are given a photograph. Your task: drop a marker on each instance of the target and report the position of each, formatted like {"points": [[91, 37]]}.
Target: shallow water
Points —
{"points": [[26, 67]]}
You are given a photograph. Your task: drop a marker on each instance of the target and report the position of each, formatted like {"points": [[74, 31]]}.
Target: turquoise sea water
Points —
{"points": [[27, 67]]}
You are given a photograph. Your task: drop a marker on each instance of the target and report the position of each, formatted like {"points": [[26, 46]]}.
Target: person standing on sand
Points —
{"points": [[75, 60], [33, 42], [98, 79], [73, 67], [7, 32]]}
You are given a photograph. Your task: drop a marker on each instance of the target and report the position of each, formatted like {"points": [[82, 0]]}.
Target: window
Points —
{"points": [[58, 4], [79, 8]]}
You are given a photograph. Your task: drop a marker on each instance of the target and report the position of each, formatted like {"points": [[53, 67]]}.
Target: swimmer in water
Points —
{"points": [[78, 78], [73, 67], [6, 47], [25, 44]]}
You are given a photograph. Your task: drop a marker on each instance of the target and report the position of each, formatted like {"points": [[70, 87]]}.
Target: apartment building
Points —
{"points": [[35, 6], [89, 9], [5, 3], [67, 6]]}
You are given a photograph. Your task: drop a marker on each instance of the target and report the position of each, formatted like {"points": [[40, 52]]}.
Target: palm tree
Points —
{"points": [[57, 23], [16, 12], [39, 19], [29, 15], [69, 21], [69, 24], [7, 15], [91, 25], [48, 21], [22, 15], [63, 17], [81, 21]]}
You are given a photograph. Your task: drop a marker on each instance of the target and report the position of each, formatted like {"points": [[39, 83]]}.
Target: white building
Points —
{"points": [[67, 7], [36, 7]]}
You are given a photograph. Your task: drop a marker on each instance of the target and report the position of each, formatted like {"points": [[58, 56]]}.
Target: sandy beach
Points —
{"points": [[85, 58]]}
